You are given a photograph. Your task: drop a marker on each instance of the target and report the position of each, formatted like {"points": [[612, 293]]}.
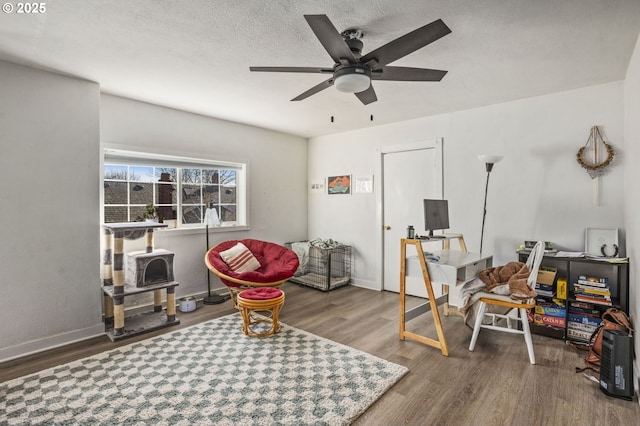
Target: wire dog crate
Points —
{"points": [[324, 265]]}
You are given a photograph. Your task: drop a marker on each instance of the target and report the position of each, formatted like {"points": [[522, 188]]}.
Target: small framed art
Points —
{"points": [[339, 184]]}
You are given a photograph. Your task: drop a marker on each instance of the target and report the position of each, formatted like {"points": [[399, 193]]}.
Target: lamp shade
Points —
{"points": [[211, 217], [491, 159], [352, 83]]}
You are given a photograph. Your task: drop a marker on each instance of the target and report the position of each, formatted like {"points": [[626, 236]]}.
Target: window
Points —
{"points": [[179, 189]]}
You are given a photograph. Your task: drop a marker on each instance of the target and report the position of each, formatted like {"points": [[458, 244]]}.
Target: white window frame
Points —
{"points": [[116, 155]]}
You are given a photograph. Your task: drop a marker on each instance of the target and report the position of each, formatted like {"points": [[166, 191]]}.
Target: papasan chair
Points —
{"points": [[275, 265]]}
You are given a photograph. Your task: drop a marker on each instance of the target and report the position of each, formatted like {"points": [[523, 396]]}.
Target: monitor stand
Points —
{"points": [[430, 236]]}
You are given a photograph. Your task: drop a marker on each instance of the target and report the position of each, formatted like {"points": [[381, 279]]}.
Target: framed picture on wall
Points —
{"points": [[339, 184], [363, 184]]}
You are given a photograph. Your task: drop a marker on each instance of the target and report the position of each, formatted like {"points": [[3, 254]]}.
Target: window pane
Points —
{"points": [[192, 214], [165, 174], [115, 172], [228, 195], [141, 174], [141, 193], [137, 213], [166, 193], [210, 176], [191, 194], [115, 192], [113, 214], [228, 177], [228, 213], [191, 175], [211, 194]]}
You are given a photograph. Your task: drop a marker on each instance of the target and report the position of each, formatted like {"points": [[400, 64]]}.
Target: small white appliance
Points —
{"points": [[187, 304]]}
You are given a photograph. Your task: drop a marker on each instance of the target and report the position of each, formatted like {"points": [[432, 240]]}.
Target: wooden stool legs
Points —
{"points": [[260, 311]]}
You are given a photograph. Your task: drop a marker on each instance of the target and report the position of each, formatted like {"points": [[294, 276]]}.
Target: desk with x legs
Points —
{"points": [[452, 270]]}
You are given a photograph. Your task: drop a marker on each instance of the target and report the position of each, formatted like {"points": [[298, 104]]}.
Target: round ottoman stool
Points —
{"points": [[258, 306]]}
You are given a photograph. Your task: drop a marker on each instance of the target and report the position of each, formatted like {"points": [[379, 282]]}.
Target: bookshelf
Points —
{"points": [[573, 315]]}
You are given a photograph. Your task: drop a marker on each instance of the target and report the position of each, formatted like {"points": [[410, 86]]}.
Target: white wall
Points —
{"points": [[632, 195], [49, 256], [538, 191], [277, 173], [51, 129]]}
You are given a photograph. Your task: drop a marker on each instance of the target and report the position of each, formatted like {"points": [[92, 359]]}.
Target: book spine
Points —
{"points": [[592, 300], [551, 311], [584, 279], [578, 334], [589, 289], [585, 311], [582, 305], [593, 296], [583, 319], [549, 320], [581, 327]]}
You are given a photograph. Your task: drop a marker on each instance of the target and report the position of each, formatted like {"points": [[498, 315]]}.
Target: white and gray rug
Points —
{"points": [[209, 374]]}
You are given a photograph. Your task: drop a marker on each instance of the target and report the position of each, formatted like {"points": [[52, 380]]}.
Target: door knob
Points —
{"points": [[387, 227]]}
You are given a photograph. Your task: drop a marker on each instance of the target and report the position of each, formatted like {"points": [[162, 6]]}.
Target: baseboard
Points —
{"points": [[40, 345], [370, 285], [52, 342]]}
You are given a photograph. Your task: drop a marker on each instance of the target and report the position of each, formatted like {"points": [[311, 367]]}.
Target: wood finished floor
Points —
{"points": [[494, 385]]}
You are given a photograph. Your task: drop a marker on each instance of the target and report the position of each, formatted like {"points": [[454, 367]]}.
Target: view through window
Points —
{"points": [[134, 193]]}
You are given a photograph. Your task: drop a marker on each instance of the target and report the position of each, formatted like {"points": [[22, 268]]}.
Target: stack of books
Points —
{"points": [[545, 290], [592, 290], [582, 321], [545, 281]]}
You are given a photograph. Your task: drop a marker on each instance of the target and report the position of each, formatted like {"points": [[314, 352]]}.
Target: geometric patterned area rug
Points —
{"points": [[209, 374]]}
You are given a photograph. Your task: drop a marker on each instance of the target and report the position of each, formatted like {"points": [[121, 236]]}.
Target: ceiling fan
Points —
{"points": [[353, 72]]}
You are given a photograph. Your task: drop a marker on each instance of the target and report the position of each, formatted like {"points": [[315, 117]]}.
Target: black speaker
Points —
{"points": [[616, 364]]}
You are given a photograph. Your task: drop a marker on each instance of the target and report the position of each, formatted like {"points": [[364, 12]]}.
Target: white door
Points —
{"points": [[409, 175]]}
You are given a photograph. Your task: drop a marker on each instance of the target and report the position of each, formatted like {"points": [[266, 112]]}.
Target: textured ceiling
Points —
{"points": [[195, 55]]}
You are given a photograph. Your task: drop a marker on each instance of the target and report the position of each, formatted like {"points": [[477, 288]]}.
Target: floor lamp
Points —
{"points": [[211, 219], [489, 161]]}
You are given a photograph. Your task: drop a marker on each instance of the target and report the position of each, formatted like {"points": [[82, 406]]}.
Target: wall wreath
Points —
{"points": [[595, 168]]}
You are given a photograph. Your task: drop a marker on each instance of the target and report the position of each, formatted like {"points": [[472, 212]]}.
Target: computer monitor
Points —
{"points": [[436, 215]]}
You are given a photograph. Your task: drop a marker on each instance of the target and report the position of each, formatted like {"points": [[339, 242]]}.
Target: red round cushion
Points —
{"points": [[261, 293], [276, 262]]}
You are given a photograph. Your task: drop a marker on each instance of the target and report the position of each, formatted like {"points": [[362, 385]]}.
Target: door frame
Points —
{"points": [[381, 151]]}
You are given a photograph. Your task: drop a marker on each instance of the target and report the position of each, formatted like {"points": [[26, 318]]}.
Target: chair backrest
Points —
{"points": [[533, 263]]}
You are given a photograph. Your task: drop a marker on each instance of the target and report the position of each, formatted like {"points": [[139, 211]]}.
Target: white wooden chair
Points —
{"points": [[521, 307]]}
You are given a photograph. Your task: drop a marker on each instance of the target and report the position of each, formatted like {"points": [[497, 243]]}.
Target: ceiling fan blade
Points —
{"points": [[367, 96], [292, 69], [408, 74], [406, 44], [330, 38], [315, 89]]}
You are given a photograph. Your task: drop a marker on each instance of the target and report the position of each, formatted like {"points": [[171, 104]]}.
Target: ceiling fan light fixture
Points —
{"points": [[352, 83], [352, 72]]}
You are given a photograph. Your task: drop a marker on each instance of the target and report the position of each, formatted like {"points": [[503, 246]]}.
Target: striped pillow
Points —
{"points": [[240, 259]]}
